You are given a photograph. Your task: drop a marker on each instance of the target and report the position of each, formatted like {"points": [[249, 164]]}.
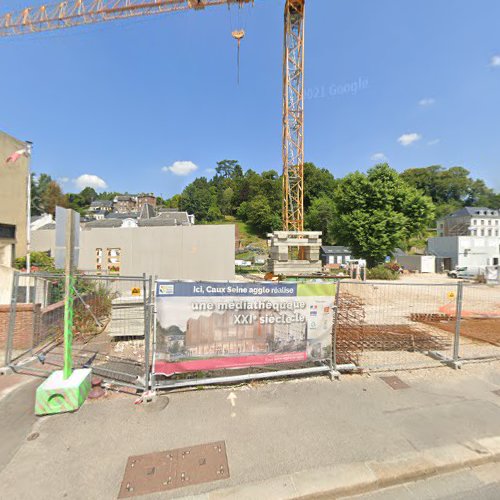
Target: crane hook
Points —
{"points": [[238, 35]]}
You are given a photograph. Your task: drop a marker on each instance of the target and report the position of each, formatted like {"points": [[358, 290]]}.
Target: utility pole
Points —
{"points": [[28, 148]]}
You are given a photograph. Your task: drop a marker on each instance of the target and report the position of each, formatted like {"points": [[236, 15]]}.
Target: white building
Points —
{"points": [[467, 251], [470, 221]]}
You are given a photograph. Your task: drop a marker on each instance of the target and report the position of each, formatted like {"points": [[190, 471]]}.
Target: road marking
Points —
{"points": [[232, 397]]}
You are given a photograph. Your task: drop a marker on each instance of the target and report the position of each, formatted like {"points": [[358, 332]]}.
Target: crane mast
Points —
{"points": [[79, 12], [293, 116]]}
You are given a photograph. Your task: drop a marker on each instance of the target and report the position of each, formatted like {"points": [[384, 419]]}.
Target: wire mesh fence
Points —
{"points": [[480, 325], [111, 323], [383, 326], [379, 325]]}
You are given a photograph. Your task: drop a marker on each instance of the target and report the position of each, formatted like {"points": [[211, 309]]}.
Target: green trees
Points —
{"points": [[321, 217], [378, 212], [451, 188]]}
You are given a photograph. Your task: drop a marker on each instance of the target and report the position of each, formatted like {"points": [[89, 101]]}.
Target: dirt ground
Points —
{"points": [[484, 330]]}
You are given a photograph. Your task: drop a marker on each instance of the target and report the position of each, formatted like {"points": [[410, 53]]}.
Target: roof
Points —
{"points": [[147, 211], [125, 215], [124, 197], [336, 250], [156, 221], [474, 211], [102, 203], [179, 218], [50, 225], [105, 223]]}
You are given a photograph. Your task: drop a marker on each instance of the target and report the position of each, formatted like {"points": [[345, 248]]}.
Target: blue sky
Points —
{"points": [[417, 83]]}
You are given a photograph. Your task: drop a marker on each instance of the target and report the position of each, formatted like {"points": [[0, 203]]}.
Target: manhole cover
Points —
{"points": [[395, 382], [172, 469]]}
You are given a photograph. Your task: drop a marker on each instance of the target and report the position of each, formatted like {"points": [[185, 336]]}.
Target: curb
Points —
{"points": [[342, 480]]}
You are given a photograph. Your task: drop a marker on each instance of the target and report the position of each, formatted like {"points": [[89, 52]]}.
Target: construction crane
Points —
{"points": [[71, 13]]}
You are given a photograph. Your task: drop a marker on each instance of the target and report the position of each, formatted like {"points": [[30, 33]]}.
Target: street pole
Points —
{"points": [[68, 297], [29, 146]]}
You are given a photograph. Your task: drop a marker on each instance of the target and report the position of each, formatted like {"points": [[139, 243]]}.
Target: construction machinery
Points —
{"points": [[72, 13]]}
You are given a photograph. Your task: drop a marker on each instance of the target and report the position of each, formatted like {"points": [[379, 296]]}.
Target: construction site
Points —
{"points": [[119, 319]]}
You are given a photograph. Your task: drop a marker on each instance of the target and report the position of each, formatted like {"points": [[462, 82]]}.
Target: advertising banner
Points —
{"points": [[212, 326]]}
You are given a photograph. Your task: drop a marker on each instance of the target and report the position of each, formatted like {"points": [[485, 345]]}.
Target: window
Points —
{"points": [[482, 222], [490, 232], [482, 232], [474, 222], [98, 259], [7, 231], [113, 260], [489, 222]]}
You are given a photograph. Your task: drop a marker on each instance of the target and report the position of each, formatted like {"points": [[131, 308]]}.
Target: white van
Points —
{"points": [[466, 272]]}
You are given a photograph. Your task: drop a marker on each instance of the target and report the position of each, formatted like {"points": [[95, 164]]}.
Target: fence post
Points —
{"points": [[333, 362], [12, 319], [458, 322], [147, 330]]}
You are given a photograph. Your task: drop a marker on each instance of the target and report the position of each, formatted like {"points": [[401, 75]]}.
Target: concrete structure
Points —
{"points": [[470, 221], [418, 263], [13, 194], [335, 255], [470, 251], [170, 252], [285, 248]]}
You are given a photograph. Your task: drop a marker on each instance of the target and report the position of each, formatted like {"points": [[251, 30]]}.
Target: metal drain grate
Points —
{"points": [[173, 469], [395, 382]]}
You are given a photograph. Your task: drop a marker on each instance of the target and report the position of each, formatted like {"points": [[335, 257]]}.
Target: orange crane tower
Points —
{"points": [[77, 12]]}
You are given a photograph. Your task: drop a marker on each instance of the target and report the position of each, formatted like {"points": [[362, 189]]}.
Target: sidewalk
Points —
{"points": [[283, 439]]}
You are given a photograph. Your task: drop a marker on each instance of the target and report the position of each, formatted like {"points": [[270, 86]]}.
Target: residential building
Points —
{"points": [[465, 251], [470, 221], [101, 206], [13, 195], [125, 203], [145, 199], [335, 255]]}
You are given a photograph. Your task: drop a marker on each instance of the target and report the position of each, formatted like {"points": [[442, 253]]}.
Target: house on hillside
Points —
{"points": [[101, 207], [124, 203], [145, 199], [470, 221]]}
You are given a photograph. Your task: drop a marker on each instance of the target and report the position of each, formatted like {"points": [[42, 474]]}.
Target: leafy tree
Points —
{"points": [[261, 215], [228, 169], [378, 212], [88, 195], [321, 217], [197, 198], [53, 196], [318, 182]]}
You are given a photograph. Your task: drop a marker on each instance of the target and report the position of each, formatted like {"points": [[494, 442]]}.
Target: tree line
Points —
{"points": [[373, 213]]}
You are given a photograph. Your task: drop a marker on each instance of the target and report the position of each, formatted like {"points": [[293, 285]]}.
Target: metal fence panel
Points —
{"points": [[111, 331], [392, 325], [480, 325]]}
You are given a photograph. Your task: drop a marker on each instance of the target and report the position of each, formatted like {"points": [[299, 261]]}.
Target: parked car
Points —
{"points": [[466, 272]]}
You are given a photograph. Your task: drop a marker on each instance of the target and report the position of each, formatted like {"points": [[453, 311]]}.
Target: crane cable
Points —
{"points": [[238, 34]]}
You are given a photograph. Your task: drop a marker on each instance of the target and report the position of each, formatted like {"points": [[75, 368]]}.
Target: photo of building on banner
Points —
{"points": [[212, 326]]}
